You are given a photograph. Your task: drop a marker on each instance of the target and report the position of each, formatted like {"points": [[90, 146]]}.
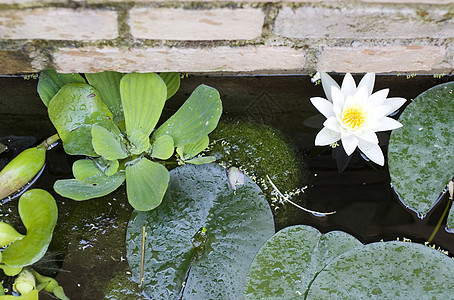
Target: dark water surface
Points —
{"points": [[88, 243]]}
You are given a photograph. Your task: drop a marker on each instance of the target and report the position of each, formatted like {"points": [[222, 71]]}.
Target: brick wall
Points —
{"points": [[247, 36]]}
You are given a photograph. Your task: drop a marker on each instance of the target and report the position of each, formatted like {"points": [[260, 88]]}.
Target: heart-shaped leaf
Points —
{"points": [[172, 81], [299, 262], [50, 82], [38, 212], [163, 147], [420, 153], [203, 236], [107, 83], [143, 97], [107, 144], [73, 110], [196, 118], [146, 183], [91, 181]]}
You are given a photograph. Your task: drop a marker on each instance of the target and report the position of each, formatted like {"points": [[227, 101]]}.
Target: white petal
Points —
{"points": [[372, 151], [368, 80], [378, 98], [326, 137], [394, 103], [327, 82], [323, 106], [388, 124], [349, 143], [337, 97], [368, 136], [348, 85], [379, 112], [332, 124], [361, 95]]}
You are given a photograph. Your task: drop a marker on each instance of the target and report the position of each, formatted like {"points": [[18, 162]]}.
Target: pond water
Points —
{"points": [[87, 254]]}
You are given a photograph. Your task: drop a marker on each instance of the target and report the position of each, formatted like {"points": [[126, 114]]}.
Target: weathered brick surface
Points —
{"points": [[162, 59], [412, 1], [206, 24], [363, 22], [12, 62], [58, 24], [380, 59]]}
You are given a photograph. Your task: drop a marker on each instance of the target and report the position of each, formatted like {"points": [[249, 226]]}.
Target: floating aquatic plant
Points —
{"points": [[354, 114], [112, 120]]}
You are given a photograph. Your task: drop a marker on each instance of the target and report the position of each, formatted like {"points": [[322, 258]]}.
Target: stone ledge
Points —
{"points": [[188, 60]]}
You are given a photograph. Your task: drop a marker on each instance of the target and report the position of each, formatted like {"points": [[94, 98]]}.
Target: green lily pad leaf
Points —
{"points": [[107, 83], [146, 183], [8, 235], [196, 118], [203, 230], [73, 110], [50, 82], [172, 81], [38, 211], [91, 187], [387, 270], [107, 144], [336, 265], [190, 150], [143, 97], [163, 147], [287, 263], [420, 153]]}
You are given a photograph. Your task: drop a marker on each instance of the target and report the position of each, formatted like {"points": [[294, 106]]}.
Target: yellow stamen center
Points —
{"points": [[354, 117]]}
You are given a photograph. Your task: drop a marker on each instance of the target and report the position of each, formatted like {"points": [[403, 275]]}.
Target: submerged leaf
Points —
{"points": [[73, 111], [146, 183], [420, 153], [50, 82], [172, 81], [143, 97], [196, 118], [107, 83], [38, 211], [203, 230]]}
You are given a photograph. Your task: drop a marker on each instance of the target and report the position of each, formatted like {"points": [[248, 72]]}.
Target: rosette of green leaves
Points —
{"points": [[112, 119]]}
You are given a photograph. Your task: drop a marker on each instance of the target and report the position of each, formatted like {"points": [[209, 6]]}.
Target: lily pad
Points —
{"points": [[203, 230], [107, 83], [336, 266], [143, 97], [38, 212], [196, 118], [146, 183], [50, 82], [420, 153], [73, 110]]}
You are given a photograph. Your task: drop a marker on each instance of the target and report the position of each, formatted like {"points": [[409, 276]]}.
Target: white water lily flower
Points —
{"points": [[353, 115]]}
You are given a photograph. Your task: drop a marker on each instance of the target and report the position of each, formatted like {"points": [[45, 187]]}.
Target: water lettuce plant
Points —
{"points": [[112, 119]]}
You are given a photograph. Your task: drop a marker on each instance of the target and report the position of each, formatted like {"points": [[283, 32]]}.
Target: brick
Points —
{"points": [[363, 22], [380, 59], [58, 24], [183, 24], [164, 59]]}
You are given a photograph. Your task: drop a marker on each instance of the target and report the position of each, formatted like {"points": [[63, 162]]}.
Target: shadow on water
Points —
{"points": [[88, 243]]}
